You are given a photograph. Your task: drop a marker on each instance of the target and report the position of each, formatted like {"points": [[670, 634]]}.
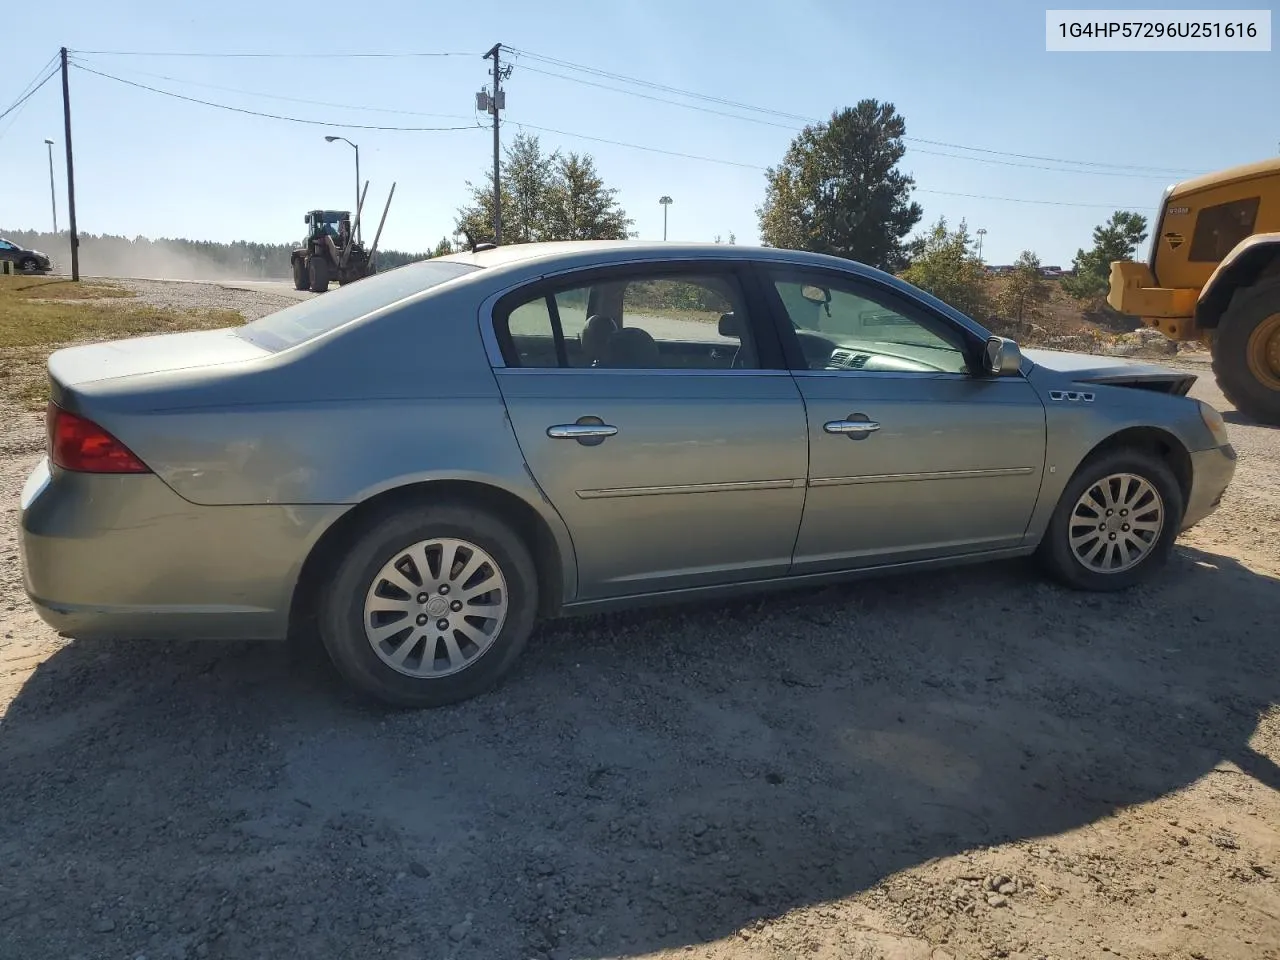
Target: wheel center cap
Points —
{"points": [[1114, 524], [437, 607]]}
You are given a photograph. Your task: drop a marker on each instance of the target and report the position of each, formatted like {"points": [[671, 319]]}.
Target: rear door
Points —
{"points": [[659, 422], [912, 454]]}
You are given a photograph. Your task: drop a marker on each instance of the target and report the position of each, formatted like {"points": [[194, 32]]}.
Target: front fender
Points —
{"points": [[1240, 268]]}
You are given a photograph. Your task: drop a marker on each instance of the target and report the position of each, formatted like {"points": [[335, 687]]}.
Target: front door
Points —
{"points": [[674, 452], [911, 456]]}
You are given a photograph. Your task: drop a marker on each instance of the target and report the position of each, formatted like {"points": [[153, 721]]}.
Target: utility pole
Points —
{"points": [[982, 232], [497, 103], [666, 202], [53, 196], [71, 175]]}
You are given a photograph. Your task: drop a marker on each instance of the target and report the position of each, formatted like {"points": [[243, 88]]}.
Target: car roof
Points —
{"points": [[607, 251]]}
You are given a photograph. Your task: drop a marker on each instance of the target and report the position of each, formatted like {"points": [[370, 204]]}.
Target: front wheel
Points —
{"points": [[28, 265], [1115, 524], [1246, 352], [300, 279], [318, 274], [430, 606]]}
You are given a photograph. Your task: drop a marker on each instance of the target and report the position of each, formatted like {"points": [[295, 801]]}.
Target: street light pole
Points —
{"points": [[357, 150], [666, 202], [982, 232], [53, 197]]}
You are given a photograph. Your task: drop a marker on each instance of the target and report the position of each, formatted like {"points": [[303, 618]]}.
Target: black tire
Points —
{"points": [[28, 265], [341, 614], [1249, 308], [300, 279], [1055, 549], [318, 274]]}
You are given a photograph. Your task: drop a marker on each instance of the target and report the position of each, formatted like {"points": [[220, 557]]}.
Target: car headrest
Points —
{"points": [[596, 335], [729, 326], [632, 347]]}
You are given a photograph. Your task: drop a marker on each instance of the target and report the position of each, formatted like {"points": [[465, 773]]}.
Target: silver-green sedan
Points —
{"points": [[419, 466]]}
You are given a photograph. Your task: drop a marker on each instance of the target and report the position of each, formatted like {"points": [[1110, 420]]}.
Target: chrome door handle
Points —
{"points": [[855, 427], [581, 431]]}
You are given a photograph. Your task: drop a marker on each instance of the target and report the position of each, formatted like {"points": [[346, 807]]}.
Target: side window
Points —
{"points": [[5, 245], [1220, 228], [851, 328], [651, 322]]}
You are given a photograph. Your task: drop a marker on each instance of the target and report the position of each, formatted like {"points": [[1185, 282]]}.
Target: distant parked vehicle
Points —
{"points": [[419, 465], [26, 261]]}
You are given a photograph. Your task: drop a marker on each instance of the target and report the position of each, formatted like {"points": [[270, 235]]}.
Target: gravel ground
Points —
{"points": [[964, 764]]}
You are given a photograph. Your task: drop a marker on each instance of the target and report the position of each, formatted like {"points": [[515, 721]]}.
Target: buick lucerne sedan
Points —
{"points": [[417, 467]]}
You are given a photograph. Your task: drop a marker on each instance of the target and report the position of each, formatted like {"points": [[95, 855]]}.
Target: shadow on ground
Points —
{"points": [[643, 781]]}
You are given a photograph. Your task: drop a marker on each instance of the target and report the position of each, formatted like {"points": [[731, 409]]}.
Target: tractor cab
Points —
{"points": [[335, 223]]}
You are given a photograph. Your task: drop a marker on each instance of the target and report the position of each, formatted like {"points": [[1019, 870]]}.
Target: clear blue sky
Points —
{"points": [[960, 73]]}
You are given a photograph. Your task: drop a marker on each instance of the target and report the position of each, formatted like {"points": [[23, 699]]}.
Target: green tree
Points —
{"points": [[580, 206], [443, 248], [1025, 291], [544, 197], [838, 189], [1117, 239], [947, 267]]}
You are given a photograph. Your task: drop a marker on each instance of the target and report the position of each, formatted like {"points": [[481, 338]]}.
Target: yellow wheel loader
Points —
{"points": [[1213, 274]]}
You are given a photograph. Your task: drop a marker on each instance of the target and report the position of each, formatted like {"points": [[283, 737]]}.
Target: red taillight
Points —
{"points": [[81, 445]]}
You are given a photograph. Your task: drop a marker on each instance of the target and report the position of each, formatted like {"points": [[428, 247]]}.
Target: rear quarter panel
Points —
{"points": [[403, 397]]}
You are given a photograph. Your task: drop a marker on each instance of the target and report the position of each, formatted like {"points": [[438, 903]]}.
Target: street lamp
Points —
{"points": [[357, 150], [666, 202], [53, 197], [982, 232]]}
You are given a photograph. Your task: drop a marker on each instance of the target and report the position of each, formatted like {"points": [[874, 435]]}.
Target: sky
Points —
{"points": [[962, 75]]}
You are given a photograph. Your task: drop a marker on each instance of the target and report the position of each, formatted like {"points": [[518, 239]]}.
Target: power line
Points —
{"points": [[639, 146], [566, 64], [29, 91], [792, 127], [752, 166], [274, 96], [274, 56], [543, 129], [674, 103], [269, 116]]}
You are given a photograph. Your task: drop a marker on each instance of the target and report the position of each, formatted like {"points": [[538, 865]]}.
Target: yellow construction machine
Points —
{"points": [[1213, 274]]}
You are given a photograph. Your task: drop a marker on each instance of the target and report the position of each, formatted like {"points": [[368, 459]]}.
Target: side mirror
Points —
{"points": [[729, 326], [1002, 358]]}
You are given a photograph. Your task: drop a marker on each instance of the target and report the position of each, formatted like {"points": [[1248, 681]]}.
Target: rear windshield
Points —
{"points": [[328, 311]]}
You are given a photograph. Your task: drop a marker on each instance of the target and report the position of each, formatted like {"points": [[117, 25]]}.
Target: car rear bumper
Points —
{"points": [[124, 557], [1211, 473]]}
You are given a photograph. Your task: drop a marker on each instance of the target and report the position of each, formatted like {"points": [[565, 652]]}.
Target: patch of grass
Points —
{"points": [[57, 288], [30, 324], [37, 316]]}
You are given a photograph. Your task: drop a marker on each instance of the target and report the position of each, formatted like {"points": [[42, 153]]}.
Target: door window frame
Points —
{"points": [[770, 354], [868, 288]]}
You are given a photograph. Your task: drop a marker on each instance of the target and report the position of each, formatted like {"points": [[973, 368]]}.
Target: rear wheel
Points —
{"points": [[1246, 352], [431, 605], [1115, 524], [318, 274], [300, 279]]}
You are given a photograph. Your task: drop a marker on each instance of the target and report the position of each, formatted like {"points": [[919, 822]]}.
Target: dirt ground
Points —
{"points": [[964, 764]]}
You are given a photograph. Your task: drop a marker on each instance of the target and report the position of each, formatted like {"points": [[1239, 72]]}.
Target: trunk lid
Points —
{"points": [[164, 353]]}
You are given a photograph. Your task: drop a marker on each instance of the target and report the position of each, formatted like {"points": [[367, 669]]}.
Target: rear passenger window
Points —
{"points": [[689, 322]]}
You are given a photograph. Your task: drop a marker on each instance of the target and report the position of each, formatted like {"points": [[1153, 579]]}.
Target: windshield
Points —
{"points": [[327, 311]]}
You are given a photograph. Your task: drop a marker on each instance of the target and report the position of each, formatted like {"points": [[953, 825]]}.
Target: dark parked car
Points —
{"points": [[420, 465], [27, 261]]}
